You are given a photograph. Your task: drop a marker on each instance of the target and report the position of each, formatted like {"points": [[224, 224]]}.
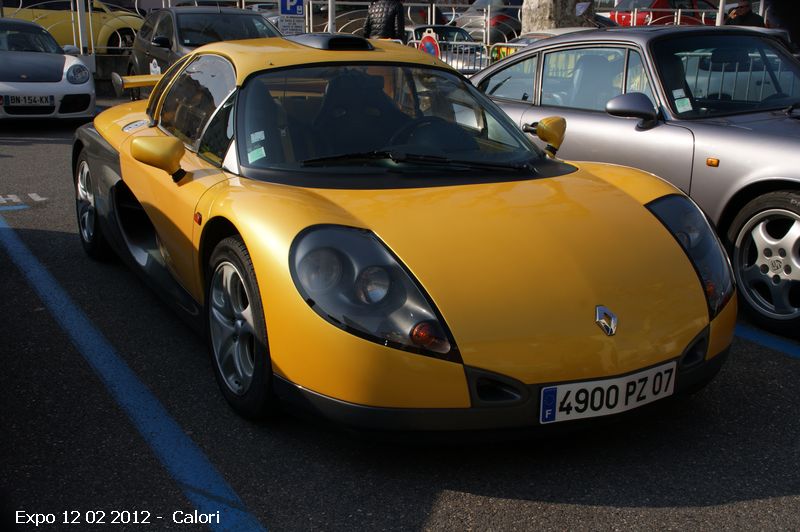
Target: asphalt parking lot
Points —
{"points": [[75, 446]]}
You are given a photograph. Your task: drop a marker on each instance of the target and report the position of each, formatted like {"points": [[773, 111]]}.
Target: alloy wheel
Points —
{"points": [[767, 263], [232, 328], [86, 206]]}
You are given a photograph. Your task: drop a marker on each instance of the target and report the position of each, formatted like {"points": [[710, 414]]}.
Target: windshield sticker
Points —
{"points": [[683, 105], [256, 137], [155, 70], [678, 93], [256, 155]]}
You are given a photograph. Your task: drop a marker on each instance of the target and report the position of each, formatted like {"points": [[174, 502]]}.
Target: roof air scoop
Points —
{"points": [[332, 41]]}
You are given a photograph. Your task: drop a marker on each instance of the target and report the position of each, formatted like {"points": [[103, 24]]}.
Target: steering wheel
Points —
{"points": [[401, 135]]}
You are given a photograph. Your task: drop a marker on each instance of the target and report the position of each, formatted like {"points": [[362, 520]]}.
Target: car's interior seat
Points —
{"points": [[673, 77], [593, 83], [268, 138], [356, 115]]}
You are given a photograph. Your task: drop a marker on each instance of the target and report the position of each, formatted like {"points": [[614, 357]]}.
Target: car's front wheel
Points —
{"points": [[89, 230], [764, 241], [237, 332]]}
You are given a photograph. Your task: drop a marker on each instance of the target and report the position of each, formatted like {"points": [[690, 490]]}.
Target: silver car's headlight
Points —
{"points": [[77, 74], [350, 278], [691, 229]]}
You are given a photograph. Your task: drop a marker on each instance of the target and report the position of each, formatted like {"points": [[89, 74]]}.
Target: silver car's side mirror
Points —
{"points": [[634, 105]]}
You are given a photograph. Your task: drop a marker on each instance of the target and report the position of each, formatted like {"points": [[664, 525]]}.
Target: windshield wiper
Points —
{"points": [[345, 158], [417, 158], [445, 161], [789, 110]]}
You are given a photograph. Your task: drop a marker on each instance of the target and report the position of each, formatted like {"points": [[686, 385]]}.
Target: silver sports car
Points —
{"points": [[716, 111], [37, 78]]}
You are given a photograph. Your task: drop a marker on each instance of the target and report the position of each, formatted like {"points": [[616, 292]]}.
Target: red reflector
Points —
{"points": [[198, 218], [429, 335]]}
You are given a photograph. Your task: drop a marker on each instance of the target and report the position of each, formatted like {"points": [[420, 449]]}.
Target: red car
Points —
{"points": [[665, 12]]}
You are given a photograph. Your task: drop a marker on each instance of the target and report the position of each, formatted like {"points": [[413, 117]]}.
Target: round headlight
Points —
{"points": [[320, 270], [372, 285], [77, 74]]}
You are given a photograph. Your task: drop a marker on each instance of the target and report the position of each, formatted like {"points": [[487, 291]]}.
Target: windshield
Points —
{"points": [[630, 5], [717, 75], [395, 117], [198, 29], [23, 39]]}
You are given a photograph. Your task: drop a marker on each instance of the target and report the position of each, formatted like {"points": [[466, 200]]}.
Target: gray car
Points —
{"points": [[169, 34], [716, 111]]}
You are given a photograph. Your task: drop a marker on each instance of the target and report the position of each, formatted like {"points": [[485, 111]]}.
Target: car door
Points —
{"points": [[159, 57], [196, 109], [576, 83]]}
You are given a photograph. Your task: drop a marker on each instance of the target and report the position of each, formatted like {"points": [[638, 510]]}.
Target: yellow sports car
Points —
{"points": [[357, 229]]}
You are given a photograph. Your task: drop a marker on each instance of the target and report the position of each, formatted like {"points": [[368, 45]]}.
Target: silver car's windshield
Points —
{"points": [[398, 117], [25, 39], [716, 75]]}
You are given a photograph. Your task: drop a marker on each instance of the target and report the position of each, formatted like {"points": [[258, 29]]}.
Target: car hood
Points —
{"points": [[517, 269], [770, 123], [24, 67]]}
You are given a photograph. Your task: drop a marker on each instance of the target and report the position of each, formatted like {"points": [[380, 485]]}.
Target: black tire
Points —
{"points": [[89, 230], [247, 348], [120, 42], [767, 269]]}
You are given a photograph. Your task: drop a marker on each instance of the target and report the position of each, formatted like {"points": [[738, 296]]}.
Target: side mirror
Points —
{"points": [[581, 8], [70, 49], [161, 42], [164, 153], [551, 130], [634, 105]]}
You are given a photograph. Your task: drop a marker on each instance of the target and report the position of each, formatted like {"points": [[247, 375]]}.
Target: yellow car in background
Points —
{"points": [[356, 229], [113, 27]]}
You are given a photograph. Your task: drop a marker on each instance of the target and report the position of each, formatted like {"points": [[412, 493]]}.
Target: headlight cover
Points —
{"points": [[77, 74], [352, 280], [687, 223]]}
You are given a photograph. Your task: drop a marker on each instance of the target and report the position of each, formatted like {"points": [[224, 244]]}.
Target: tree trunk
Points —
{"points": [[546, 14]]}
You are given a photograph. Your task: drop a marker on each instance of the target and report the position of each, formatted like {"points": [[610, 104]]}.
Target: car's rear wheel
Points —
{"points": [[120, 42], [764, 241], [89, 230], [237, 332]]}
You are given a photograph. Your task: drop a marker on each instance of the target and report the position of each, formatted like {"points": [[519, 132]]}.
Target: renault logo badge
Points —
{"points": [[605, 319]]}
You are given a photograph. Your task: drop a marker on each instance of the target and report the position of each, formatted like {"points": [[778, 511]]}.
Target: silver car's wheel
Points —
{"points": [[766, 259], [232, 328], [237, 332], [92, 239]]}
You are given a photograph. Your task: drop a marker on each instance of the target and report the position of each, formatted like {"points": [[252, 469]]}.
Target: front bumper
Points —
{"points": [[67, 100], [522, 413]]}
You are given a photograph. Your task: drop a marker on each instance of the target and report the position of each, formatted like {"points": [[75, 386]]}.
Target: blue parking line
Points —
{"points": [[199, 480], [13, 208], [762, 338]]}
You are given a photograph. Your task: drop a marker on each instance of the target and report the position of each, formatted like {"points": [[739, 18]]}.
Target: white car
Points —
{"points": [[37, 77]]}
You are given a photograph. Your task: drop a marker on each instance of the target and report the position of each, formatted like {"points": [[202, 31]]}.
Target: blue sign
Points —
{"points": [[547, 413], [292, 7]]}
